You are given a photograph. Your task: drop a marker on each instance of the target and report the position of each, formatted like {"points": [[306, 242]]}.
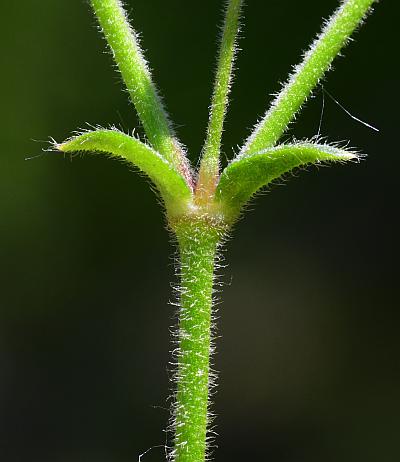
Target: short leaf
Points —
{"points": [[170, 183], [245, 175]]}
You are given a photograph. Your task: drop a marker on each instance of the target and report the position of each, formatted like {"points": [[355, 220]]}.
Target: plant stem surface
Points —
{"points": [[209, 168], [317, 61], [198, 244], [128, 55]]}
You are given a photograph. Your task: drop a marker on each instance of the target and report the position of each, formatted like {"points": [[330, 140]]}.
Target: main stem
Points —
{"points": [[198, 244]]}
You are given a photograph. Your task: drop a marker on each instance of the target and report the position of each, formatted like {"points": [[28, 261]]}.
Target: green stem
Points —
{"points": [[306, 76], [209, 167], [136, 75], [198, 243]]}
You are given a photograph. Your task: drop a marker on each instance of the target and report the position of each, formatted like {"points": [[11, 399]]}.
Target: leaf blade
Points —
{"points": [[169, 182], [245, 175]]}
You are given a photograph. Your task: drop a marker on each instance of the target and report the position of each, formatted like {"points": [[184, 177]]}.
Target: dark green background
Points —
{"points": [[309, 346]]}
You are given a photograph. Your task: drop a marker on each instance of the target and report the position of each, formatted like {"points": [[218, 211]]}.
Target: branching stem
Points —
{"points": [[209, 168], [200, 215], [136, 75], [307, 74]]}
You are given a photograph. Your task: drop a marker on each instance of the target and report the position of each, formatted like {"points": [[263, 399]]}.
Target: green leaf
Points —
{"points": [[170, 183], [247, 174]]}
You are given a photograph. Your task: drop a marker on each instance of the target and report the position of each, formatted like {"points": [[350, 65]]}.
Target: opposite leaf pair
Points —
{"points": [[243, 177], [258, 163]]}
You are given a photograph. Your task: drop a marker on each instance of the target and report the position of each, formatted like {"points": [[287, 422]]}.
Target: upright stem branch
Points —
{"points": [[316, 62], [136, 75], [198, 243], [209, 168]]}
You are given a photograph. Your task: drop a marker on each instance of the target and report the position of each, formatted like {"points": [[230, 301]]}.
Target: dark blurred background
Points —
{"points": [[308, 347]]}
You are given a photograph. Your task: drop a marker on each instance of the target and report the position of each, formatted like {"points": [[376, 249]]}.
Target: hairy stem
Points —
{"points": [[198, 243], [136, 75], [306, 76], [209, 168]]}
